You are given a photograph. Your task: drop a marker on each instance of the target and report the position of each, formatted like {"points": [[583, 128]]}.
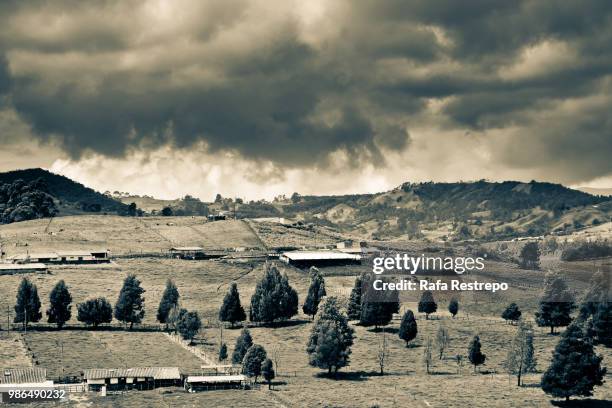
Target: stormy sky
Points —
{"points": [[258, 98]]}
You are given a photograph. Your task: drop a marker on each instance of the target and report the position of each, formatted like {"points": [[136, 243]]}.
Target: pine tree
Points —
{"points": [[189, 325], [575, 368], [316, 292], [274, 298], [231, 309], [243, 342], [602, 324], [169, 300], [427, 304], [253, 360], [529, 257], [354, 305], [556, 304], [377, 307], [520, 358], [442, 341], [331, 338], [95, 312], [453, 307], [130, 304], [267, 370], [408, 328], [512, 313], [27, 307], [60, 300], [474, 354], [223, 352], [598, 291], [428, 354]]}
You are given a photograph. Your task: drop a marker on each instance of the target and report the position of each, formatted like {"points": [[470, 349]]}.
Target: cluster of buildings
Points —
{"points": [[39, 262], [105, 380]]}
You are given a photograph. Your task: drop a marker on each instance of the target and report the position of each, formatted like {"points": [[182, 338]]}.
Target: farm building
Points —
{"points": [[25, 377], [194, 253], [11, 268], [195, 383], [63, 257], [140, 378], [217, 217], [306, 259], [187, 252], [351, 247]]}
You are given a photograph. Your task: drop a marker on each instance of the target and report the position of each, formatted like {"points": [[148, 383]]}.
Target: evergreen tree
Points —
{"points": [[331, 338], [512, 313], [274, 298], [223, 352], [189, 325], [427, 304], [556, 304], [598, 291], [253, 360], [453, 307], [243, 342], [408, 328], [130, 304], [60, 300], [529, 257], [354, 304], [95, 312], [169, 300], [231, 309], [474, 354], [602, 324], [575, 368], [316, 292], [267, 370], [442, 341], [520, 358], [377, 307], [27, 307]]}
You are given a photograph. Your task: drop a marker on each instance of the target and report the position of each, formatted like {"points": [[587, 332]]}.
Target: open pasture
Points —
{"points": [[68, 352], [124, 235]]}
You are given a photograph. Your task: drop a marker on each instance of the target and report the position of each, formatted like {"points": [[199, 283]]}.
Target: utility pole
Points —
{"points": [[25, 317]]}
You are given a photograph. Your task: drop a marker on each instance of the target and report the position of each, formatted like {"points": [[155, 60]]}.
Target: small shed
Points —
{"points": [[306, 259], [195, 383], [138, 378], [188, 252]]}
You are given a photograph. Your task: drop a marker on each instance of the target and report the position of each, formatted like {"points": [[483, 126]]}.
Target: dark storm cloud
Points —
{"points": [[264, 80]]}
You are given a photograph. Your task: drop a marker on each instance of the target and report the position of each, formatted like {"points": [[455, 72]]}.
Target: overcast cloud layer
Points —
{"points": [[276, 94]]}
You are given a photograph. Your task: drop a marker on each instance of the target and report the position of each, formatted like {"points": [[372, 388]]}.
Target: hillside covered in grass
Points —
{"points": [[70, 194]]}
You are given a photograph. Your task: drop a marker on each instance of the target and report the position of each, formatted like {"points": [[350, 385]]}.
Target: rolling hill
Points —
{"points": [[73, 197]]}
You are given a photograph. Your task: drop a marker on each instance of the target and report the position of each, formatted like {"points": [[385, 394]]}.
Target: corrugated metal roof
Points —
{"points": [[312, 255], [187, 249], [74, 253], [39, 255], [25, 375], [17, 267], [158, 373], [215, 378]]}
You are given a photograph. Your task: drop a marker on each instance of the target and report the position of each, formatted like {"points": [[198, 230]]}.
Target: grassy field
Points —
{"points": [[124, 235], [105, 349], [202, 285]]}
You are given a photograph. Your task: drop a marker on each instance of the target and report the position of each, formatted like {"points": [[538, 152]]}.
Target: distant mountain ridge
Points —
{"points": [[68, 192], [438, 211]]}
